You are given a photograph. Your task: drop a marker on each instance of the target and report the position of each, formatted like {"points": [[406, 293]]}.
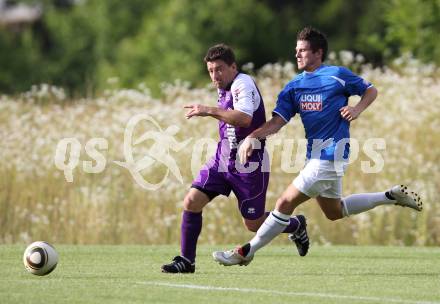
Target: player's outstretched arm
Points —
{"points": [[232, 117], [270, 127], [351, 113]]}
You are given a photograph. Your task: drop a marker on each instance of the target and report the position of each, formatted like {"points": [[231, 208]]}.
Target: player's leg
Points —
{"points": [[279, 219], [193, 204], [329, 198], [274, 224], [191, 226], [335, 208], [250, 190], [254, 216], [397, 195], [303, 187], [253, 225], [306, 185], [208, 184], [332, 207]]}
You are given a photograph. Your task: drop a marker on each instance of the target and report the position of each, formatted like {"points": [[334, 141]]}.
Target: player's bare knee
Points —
{"points": [[191, 204], [252, 226], [333, 216]]}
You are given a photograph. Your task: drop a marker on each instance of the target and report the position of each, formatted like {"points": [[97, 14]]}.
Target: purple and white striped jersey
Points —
{"points": [[242, 95]]}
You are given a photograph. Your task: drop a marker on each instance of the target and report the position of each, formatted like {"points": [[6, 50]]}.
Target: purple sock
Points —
{"points": [[190, 231], [293, 224]]}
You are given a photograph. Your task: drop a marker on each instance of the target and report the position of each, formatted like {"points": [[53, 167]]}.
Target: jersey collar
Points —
{"points": [[317, 69], [228, 87]]}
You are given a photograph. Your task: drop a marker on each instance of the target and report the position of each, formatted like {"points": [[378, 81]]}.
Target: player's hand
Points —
{"points": [[196, 110], [349, 113], [246, 148]]}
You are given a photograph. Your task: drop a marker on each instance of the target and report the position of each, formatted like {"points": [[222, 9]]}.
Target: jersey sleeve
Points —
{"points": [[354, 84], [245, 95], [285, 107]]}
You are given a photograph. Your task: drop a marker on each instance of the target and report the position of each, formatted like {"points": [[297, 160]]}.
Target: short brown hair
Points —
{"points": [[220, 51], [316, 39]]}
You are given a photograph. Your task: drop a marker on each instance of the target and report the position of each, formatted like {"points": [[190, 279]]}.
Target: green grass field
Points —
{"points": [[131, 274]]}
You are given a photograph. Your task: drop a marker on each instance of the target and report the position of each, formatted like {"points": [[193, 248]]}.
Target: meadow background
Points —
{"points": [[86, 67], [110, 208]]}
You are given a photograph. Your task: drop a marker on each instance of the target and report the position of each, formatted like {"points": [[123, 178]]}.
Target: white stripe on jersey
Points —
{"points": [[339, 80], [245, 95]]}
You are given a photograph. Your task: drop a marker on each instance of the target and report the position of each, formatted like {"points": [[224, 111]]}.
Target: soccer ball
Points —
{"points": [[40, 258]]}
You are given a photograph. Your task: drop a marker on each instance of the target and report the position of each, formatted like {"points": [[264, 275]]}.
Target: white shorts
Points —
{"points": [[321, 178]]}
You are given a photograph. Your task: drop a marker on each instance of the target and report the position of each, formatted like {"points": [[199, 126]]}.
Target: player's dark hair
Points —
{"points": [[220, 52], [316, 39]]}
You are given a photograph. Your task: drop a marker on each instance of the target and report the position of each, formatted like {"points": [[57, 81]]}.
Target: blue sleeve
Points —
{"points": [[286, 107], [354, 85]]}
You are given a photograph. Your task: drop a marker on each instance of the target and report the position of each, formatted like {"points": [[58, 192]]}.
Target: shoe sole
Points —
{"points": [[178, 272], [414, 196]]}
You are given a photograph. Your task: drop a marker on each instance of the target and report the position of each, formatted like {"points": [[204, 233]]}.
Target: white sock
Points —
{"points": [[358, 203], [274, 224]]}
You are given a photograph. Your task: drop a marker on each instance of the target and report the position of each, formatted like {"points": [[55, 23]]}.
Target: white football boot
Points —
{"points": [[232, 257], [406, 198]]}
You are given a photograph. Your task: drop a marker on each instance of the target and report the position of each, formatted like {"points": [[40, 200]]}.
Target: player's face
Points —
{"points": [[305, 58], [221, 73]]}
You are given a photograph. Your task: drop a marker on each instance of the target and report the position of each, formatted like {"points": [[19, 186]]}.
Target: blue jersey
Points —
{"points": [[317, 97]]}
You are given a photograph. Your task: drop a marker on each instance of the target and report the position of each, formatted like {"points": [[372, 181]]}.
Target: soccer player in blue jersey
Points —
{"points": [[320, 96], [240, 111]]}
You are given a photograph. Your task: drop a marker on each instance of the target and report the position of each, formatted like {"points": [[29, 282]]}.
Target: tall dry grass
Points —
{"points": [[36, 201]]}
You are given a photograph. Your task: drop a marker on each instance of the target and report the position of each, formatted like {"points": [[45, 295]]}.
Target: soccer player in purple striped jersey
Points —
{"points": [[240, 111], [320, 96]]}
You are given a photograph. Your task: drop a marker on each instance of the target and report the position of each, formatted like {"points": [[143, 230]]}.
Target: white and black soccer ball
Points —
{"points": [[40, 258]]}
